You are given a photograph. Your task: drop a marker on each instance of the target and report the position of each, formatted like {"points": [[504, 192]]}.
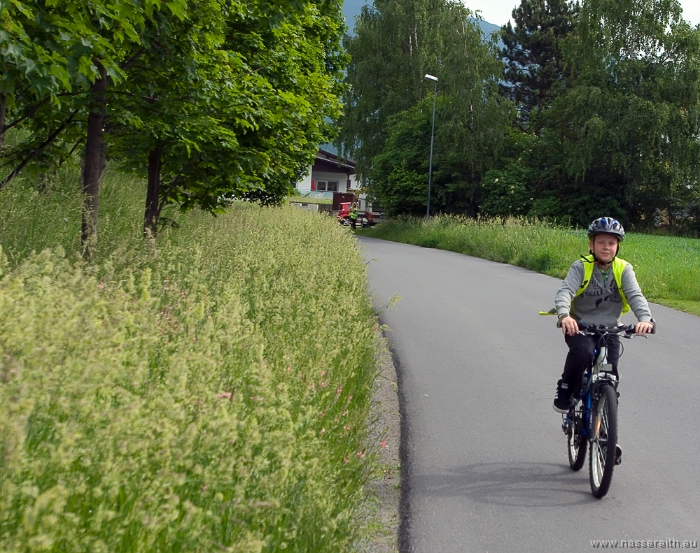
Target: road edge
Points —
{"points": [[386, 428]]}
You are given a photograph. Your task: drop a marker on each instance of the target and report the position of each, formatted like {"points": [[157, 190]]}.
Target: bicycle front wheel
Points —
{"points": [[575, 440], [603, 441]]}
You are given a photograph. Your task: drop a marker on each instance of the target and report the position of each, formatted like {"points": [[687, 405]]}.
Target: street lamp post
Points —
{"points": [[432, 136]]}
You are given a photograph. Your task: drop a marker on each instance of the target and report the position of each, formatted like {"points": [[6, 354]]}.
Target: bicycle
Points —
{"points": [[592, 418]]}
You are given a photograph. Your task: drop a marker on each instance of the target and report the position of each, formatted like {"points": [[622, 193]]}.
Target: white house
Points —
{"points": [[333, 178], [327, 175]]}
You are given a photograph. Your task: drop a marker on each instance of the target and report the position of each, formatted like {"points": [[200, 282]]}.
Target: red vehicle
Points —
{"points": [[364, 218]]}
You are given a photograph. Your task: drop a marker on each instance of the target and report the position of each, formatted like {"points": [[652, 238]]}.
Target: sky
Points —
{"points": [[498, 11]]}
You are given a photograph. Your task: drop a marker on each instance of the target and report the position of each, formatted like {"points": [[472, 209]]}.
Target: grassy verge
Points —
{"points": [[210, 393], [667, 268]]}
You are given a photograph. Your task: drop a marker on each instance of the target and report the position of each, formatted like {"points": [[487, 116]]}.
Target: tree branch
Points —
{"points": [[31, 156], [72, 150], [29, 113], [170, 187], [133, 59]]}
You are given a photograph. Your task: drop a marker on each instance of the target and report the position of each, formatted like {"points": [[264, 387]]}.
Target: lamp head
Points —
{"points": [[429, 77]]}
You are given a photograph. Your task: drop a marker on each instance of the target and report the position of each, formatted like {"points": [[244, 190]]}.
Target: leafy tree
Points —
{"points": [[48, 50], [72, 50], [212, 98], [165, 113], [507, 186], [384, 127], [627, 130], [246, 117], [399, 173], [384, 74], [621, 137]]}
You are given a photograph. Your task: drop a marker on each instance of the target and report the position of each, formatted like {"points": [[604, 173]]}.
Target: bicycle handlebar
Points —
{"points": [[603, 330]]}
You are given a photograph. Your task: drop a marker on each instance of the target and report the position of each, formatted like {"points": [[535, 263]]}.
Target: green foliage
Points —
{"points": [[246, 116], [49, 48], [535, 72], [387, 123], [405, 191], [210, 393], [384, 74], [628, 127], [506, 191], [215, 99], [507, 186], [615, 116], [668, 268], [400, 171]]}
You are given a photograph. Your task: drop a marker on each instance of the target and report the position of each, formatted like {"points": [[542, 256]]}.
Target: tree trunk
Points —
{"points": [[150, 220], [93, 161], [3, 111]]}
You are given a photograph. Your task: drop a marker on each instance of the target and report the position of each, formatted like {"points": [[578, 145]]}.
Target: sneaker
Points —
{"points": [[562, 399], [618, 455]]}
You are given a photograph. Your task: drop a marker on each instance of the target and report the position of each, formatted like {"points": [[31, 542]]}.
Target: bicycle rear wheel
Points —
{"points": [[575, 440], [603, 441]]}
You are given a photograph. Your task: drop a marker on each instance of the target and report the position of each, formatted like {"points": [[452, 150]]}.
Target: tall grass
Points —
{"points": [[667, 268], [208, 393], [33, 218]]}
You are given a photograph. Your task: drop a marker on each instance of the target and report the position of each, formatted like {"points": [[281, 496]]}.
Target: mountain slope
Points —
{"points": [[352, 9]]}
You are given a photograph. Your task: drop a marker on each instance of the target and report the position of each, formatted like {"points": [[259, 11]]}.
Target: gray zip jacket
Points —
{"points": [[601, 302]]}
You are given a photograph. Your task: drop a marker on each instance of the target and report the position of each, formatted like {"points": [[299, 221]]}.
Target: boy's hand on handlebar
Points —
{"points": [[643, 328], [570, 326]]}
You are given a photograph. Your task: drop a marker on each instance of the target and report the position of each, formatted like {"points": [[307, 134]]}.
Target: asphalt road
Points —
{"points": [[484, 454]]}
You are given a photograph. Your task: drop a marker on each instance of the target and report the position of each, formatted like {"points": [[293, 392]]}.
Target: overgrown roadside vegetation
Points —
{"points": [[209, 392], [668, 268]]}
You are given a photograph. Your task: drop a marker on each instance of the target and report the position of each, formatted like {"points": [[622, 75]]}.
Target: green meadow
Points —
{"points": [[668, 268], [206, 392]]}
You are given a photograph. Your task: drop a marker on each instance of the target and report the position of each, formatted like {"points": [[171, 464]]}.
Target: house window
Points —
{"points": [[327, 186]]}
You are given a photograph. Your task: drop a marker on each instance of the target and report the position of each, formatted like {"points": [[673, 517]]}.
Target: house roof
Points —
{"points": [[323, 155]]}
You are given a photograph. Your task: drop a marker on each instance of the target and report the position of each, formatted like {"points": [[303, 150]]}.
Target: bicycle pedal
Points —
{"points": [[618, 455]]}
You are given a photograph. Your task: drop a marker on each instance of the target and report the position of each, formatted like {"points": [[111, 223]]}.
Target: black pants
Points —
{"points": [[580, 357]]}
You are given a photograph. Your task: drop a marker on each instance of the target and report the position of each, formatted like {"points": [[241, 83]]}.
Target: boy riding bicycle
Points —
{"points": [[598, 289]]}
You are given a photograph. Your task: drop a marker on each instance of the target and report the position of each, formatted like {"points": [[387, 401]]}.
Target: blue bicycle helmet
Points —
{"points": [[606, 225]]}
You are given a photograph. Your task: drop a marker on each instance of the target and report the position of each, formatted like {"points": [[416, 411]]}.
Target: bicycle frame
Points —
{"points": [[598, 375]]}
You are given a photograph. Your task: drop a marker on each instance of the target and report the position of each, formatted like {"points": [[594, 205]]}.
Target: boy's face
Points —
{"points": [[604, 246]]}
